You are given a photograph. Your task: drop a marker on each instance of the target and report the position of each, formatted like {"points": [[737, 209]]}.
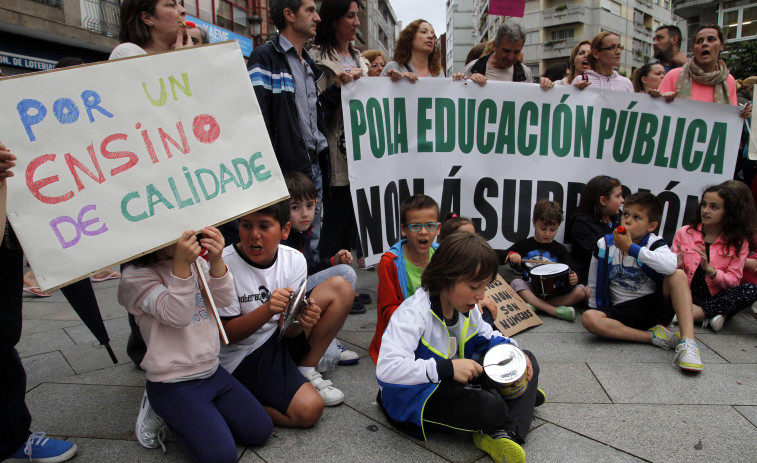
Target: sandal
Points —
{"points": [[36, 291], [106, 275]]}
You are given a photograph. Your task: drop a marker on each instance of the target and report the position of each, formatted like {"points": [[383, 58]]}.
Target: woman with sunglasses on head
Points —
{"points": [[603, 59], [416, 54], [705, 77]]}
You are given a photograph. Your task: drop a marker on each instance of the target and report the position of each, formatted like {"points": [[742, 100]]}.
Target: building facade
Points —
{"points": [[378, 27], [737, 18], [35, 34], [554, 27], [460, 36]]}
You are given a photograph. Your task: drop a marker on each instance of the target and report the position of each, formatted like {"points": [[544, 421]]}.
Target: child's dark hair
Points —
{"points": [[451, 223], [649, 202], [463, 257], [415, 202], [300, 187], [738, 220], [279, 211], [601, 185], [143, 260], [548, 211]]}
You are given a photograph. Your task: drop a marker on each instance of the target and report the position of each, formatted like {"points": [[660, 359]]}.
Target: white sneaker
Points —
{"points": [[331, 396], [687, 356], [754, 309], [149, 425], [346, 356], [717, 322]]}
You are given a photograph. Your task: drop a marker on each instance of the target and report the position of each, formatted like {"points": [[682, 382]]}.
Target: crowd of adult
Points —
{"points": [[297, 76]]}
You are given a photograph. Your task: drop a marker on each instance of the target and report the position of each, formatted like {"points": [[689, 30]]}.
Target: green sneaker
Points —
{"points": [[500, 447], [663, 337], [565, 312], [687, 356], [541, 397]]}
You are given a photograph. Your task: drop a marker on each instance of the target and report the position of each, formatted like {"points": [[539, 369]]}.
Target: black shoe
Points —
{"points": [[357, 307], [541, 397], [364, 298]]}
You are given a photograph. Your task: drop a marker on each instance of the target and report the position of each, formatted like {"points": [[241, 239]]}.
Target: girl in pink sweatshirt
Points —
{"points": [[203, 405]]}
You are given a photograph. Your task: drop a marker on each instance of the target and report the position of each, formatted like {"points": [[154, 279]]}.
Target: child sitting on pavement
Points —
{"points": [[636, 288], [281, 375], [302, 202], [428, 367], [400, 268], [547, 217]]}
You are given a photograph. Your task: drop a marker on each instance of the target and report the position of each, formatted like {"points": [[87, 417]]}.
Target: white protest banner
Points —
{"points": [[118, 158], [490, 152]]}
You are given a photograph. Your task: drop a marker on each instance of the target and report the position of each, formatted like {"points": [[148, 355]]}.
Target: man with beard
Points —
{"points": [[667, 47]]}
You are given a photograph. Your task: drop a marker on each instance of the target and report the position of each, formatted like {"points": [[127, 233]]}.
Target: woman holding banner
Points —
{"points": [[150, 26], [705, 77], [415, 54], [333, 53], [578, 64], [603, 59]]}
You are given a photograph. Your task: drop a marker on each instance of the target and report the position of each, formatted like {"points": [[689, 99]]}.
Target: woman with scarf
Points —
{"points": [[705, 77]]}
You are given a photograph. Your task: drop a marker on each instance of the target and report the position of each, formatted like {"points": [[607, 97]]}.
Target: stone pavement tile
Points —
{"points": [[587, 347], [553, 443], [750, 413], [361, 322], [655, 383], [116, 328], [359, 338], [704, 433], [123, 374], [113, 450], [40, 343], [34, 326], [50, 366], [342, 435], [249, 456], [103, 412], [92, 356], [555, 325], [733, 348], [570, 383], [45, 309]]}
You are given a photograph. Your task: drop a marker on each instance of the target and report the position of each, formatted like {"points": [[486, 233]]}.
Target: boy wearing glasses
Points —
{"points": [[400, 268]]}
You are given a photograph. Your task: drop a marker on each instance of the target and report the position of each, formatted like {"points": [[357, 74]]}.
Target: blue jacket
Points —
{"points": [[415, 356], [272, 80], [646, 259]]}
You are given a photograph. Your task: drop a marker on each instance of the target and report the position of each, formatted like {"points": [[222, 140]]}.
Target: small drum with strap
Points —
{"points": [[550, 279]]}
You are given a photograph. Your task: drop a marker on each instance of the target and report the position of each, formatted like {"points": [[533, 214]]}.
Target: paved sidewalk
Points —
{"points": [[607, 401]]}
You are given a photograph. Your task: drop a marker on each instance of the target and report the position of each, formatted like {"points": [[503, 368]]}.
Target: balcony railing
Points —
{"points": [[563, 15], [101, 16]]}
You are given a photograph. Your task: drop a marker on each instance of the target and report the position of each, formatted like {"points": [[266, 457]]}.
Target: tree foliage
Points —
{"points": [[741, 59]]}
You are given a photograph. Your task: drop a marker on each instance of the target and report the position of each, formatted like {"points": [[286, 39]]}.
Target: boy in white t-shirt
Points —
{"points": [[280, 374]]}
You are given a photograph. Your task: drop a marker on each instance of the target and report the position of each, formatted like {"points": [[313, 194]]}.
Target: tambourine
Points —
{"points": [[297, 304]]}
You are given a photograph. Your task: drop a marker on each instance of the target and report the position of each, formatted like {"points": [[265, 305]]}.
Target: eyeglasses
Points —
{"points": [[416, 227], [612, 48]]}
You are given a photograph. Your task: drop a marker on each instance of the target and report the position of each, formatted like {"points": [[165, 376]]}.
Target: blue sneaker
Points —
{"points": [[44, 449]]}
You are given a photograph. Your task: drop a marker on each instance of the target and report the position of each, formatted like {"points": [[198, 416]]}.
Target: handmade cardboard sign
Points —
{"points": [[513, 314], [118, 158]]}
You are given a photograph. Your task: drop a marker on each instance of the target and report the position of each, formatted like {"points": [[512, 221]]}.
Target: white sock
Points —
{"points": [[305, 370]]}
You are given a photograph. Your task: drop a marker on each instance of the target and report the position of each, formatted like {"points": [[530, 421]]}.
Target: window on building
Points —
{"points": [[738, 22], [532, 37], [611, 6], [562, 34]]}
